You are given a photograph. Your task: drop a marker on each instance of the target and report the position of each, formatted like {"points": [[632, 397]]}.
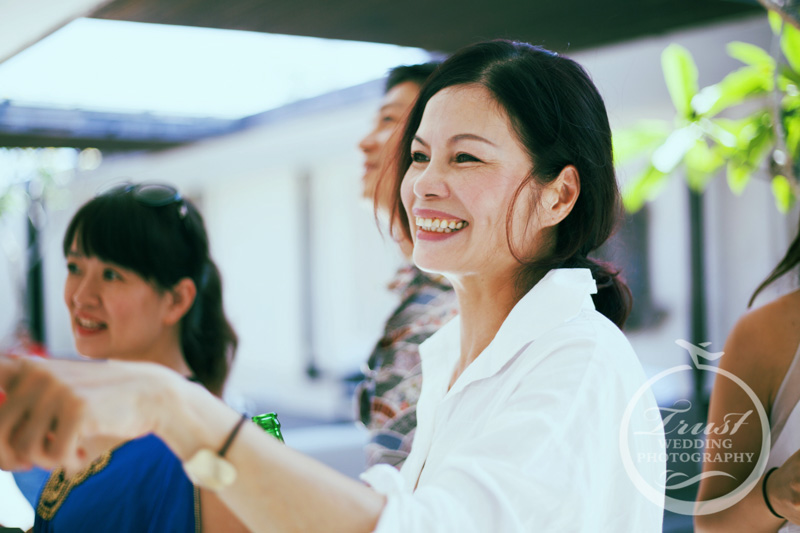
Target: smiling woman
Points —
{"points": [[505, 166], [141, 286]]}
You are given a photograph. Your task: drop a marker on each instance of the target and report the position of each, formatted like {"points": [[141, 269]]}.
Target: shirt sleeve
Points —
{"points": [[549, 461]]}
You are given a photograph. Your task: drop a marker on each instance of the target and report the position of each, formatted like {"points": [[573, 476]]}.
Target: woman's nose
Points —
{"points": [[432, 182], [369, 143], [85, 293]]}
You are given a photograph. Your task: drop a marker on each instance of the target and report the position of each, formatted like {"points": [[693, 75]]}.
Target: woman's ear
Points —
{"points": [[181, 298], [559, 196]]}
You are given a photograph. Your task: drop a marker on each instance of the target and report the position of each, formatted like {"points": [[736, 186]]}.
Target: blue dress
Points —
{"points": [[138, 487], [30, 483]]}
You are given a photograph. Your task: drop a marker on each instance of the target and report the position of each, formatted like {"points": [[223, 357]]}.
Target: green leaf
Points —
{"points": [[738, 86], [632, 142], [702, 163], [792, 125], [759, 144], [669, 155], [775, 22], [791, 76], [790, 44], [750, 54], [644, 187], [733, 126], [718, 134], [791, 103], [784, 195], [680, 73], [738, 176], [747, 128]]}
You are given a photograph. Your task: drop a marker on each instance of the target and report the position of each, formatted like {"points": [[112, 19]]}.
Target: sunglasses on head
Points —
{"points": [[149, 194]]}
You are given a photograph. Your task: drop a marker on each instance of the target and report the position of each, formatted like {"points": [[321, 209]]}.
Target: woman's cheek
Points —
{"points": [[407, 192]]}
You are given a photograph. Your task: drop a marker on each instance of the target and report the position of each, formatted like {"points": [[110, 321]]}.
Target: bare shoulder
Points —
{"points": [[764, 341]]}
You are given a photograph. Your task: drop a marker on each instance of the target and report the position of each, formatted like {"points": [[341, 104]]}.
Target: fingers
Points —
{"points": [[39, 418], [49, 434], [31, 411], [12, 413], [53, 408], [63, 440]]}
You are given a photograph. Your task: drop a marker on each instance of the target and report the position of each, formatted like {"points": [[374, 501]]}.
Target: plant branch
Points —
{"points": [[786, 166], [789, 10]]}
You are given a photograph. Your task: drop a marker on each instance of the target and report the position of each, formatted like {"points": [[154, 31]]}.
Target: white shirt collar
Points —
{"points": [[559, 296]]}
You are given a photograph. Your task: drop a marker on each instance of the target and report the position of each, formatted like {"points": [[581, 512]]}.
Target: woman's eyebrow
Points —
{"points": [[390, 105], [469, 137], [460, 137]]}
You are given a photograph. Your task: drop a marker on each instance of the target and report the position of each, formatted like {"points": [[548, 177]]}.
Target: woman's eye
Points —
{"points": [[386, 119], [72, 268], [111, 275], [466, 158], [419, 157]]}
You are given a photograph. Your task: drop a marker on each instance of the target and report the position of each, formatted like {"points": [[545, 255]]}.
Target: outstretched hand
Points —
{"points": [[65, 413]]}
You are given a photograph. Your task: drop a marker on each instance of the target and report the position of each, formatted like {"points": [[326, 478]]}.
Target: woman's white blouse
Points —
{"points": [[527, 439]]}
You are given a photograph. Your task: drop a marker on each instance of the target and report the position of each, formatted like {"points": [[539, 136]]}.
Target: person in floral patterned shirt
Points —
{"points": [[387, 398]]}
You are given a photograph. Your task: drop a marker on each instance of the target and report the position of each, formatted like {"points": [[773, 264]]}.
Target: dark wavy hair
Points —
{"points": [[413, 73], [789, 261], [560, 119], [163, 245]]}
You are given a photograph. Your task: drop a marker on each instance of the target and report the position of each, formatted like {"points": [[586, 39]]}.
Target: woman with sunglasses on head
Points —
{"points": [[141, 286], [506, 178]]}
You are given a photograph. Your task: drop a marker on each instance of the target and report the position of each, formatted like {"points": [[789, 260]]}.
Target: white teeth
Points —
{"points": [[438, 225], [90, 324]]}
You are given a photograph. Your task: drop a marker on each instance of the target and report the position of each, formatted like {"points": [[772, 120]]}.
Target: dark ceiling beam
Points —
{"points": [[23, 126], [440, 25], [40, 127], [49, 140]]}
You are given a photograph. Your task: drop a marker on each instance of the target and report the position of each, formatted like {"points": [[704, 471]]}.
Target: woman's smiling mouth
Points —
{"points": [[440, 225]]}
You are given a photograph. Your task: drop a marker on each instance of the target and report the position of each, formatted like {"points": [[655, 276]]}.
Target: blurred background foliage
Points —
{"points": [[32, 183], [748, 121]]}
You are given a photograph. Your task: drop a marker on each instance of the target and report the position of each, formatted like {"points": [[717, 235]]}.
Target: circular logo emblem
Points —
{"points": [[684, 442]]}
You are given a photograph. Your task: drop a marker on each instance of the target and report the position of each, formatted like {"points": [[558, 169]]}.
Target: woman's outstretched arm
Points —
{"points": [[57, 412]]}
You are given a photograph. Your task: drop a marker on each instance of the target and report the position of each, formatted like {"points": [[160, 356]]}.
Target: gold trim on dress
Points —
{"points": [[198, 514], [59, 486]]}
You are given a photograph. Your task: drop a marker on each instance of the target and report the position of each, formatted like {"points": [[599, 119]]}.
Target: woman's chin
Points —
{"points": [[426, 264], [90, 352]]}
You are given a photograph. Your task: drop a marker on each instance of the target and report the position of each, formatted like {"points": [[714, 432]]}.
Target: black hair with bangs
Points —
{"points": [[163, 245]]}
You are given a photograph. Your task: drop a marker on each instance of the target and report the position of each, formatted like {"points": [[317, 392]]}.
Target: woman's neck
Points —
{"points": [[175, 360], [483, 306], [166, 352]]}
